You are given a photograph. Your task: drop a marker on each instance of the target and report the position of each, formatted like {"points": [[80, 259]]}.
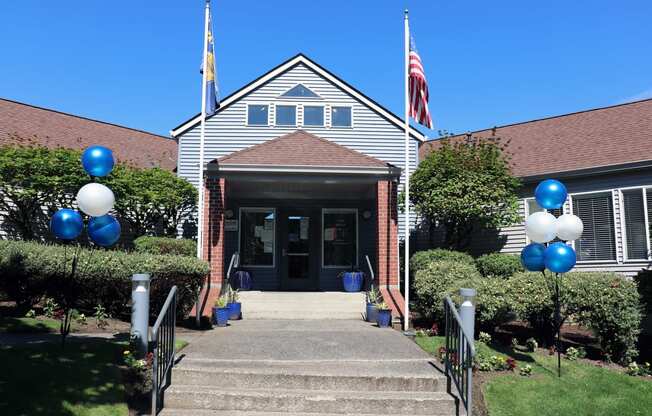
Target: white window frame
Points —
{"points": [[333, 105], [623, 228], [303, 114], [247, 114], [257, 209], [357, 235]]}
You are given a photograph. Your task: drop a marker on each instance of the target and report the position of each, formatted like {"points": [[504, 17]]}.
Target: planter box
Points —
{"points": [[352, 281], [221, 316], [384, 318], [235, 311]]}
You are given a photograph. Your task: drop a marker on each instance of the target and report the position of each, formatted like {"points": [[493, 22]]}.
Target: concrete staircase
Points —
{"points": [[321, 388], [302, 305]]}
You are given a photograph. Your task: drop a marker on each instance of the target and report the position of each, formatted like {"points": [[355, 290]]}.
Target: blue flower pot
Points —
{"points": [[352, 281], [220, 316], [235, 310], [372, 312], [384, 318]]}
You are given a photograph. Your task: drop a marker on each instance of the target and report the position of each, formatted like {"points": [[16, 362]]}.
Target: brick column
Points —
{"points": [[213, 247], [387, 246]]}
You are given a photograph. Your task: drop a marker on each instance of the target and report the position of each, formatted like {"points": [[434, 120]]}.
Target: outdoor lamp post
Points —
{"points": [[140, 310]]}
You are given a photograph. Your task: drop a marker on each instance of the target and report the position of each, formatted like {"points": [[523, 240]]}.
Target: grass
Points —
{"points": [[584, 389], [43, 379], [180, 344], [28, 325]]}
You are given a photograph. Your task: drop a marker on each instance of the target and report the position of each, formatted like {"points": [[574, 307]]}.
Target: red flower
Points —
{"points": [[511, 364], [434, 329]]}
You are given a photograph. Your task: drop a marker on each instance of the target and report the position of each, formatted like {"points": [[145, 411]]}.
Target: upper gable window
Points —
{"points": [[341, 116], [313, 115], [286, 115], [256, 115], [300, 91]]}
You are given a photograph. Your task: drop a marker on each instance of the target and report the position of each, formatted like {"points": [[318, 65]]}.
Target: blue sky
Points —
{"points": [[488, 63]]}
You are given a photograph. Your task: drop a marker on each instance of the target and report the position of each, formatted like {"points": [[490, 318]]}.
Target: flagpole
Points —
{"points": [[200, 176], [406, 225]]}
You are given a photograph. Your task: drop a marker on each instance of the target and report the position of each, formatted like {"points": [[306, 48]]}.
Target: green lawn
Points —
{"points": [[584, 389], [28, 325], [44, 380]]}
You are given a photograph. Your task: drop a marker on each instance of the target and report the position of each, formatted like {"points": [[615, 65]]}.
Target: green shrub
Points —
{"points": [[421, 259], [29, 271], [165, 245], [493, 301], [644, 283], [531, 302], [499, 265], [432, 284]]}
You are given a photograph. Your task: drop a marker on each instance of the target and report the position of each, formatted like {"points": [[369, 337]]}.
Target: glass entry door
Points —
{"points": [[297, 254]]}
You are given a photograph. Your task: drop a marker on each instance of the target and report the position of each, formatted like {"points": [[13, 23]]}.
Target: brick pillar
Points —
{"points": [[213, 247], [387, 246]]}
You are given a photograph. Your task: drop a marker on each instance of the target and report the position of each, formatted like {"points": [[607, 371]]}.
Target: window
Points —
{"points": [[341, 117], [597, 240], [286, 115], [340, 237], [533, 206], [257, 236], [300, 91], [256, 115], [313, 115], [635, 233]]}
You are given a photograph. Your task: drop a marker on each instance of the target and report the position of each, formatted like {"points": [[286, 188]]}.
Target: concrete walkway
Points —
{"points": [[305, 367]]}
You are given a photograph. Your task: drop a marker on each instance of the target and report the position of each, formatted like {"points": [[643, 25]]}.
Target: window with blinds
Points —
{"points": [[597, 241], [635, 235]]}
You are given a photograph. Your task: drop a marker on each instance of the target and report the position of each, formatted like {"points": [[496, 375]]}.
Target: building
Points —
{"points": [[604, 157], [302, 173]]}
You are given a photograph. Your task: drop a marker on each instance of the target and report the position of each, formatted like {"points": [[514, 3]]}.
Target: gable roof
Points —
{"points": [[589, 141], [23, 124], [302, 151], [287, 65]]}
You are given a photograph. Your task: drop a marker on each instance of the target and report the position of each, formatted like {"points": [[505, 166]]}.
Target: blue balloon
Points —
{"points": [[532, 257], [559, 257], [66, 224], [98, 161], [550, 194], [104, 230]]}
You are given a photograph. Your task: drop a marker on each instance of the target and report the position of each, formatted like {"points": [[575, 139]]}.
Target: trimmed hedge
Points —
{"points": [[421, 259], [499, 265], [165, 245], [29, 271]]}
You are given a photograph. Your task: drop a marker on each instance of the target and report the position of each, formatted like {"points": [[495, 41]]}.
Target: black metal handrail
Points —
{"points": [[163, 348], [458, 358]]}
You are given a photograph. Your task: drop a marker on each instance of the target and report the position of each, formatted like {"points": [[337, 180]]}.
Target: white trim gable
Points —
{"points": [[302, 59]]}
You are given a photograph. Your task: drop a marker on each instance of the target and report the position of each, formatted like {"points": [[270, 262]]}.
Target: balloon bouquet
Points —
{"points": [[558, 257], [96, 201]]}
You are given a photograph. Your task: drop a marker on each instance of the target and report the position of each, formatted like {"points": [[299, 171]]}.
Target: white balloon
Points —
{"points": [[541, 227], [95, 199], [569, 227]]}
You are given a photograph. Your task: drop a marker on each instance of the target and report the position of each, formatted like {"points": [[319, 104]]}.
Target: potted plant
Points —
{"points": [[372, 299], [233, 304], [384, 315], [220, 312], [352, 280]]}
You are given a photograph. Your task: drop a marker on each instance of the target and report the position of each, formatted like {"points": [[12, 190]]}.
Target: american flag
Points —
{"points": [[418, 89]]}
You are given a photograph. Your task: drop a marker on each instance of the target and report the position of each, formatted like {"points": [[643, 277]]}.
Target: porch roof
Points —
{"points": [[301, 151]]}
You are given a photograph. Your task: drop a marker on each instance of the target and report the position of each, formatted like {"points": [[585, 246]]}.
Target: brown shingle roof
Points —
{"points": [[600, 137], [21, 123], [300, 148]]}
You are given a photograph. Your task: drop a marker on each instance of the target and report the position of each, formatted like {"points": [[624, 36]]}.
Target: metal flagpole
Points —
{"points": [[406, 193], [200, 184]]}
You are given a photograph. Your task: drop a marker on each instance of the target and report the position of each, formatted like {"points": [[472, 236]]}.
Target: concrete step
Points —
{"points": [[199, 412], [309, 401], [299, 314], [302, 305]]}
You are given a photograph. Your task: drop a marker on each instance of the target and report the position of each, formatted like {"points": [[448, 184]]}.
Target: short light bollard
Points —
{"points": [[467, 310], [140, 310]]}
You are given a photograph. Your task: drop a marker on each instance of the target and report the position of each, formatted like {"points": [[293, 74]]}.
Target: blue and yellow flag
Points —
{"points": [[212, 96]]}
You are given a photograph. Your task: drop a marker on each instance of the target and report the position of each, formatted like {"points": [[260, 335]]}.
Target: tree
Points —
{"points": [[149, 198], [464, 186], [34, 178]]}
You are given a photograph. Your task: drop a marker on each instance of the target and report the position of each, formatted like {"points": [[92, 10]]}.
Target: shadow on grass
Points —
{"points": [[26, 325], [43, 379]]}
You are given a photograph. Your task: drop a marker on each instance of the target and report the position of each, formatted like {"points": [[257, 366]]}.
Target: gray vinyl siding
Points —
{"points": [[515, 239], [227, 132]]}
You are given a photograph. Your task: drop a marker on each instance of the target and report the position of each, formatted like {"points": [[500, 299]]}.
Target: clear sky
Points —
{"points": [[488, 63]]}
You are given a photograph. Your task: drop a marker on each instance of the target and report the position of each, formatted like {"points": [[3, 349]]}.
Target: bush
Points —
{"points": [[644, 283], [499, 265], [604, 302], [29, 271], [164, 245], [421, 259], [493, 301], [433, 283]]}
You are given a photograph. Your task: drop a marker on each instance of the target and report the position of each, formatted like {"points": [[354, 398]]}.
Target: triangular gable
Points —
{"points": [[300, 91], [286, 66]]}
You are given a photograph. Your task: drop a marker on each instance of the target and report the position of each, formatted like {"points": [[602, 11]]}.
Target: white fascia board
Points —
{"points": [[355, 170]]}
